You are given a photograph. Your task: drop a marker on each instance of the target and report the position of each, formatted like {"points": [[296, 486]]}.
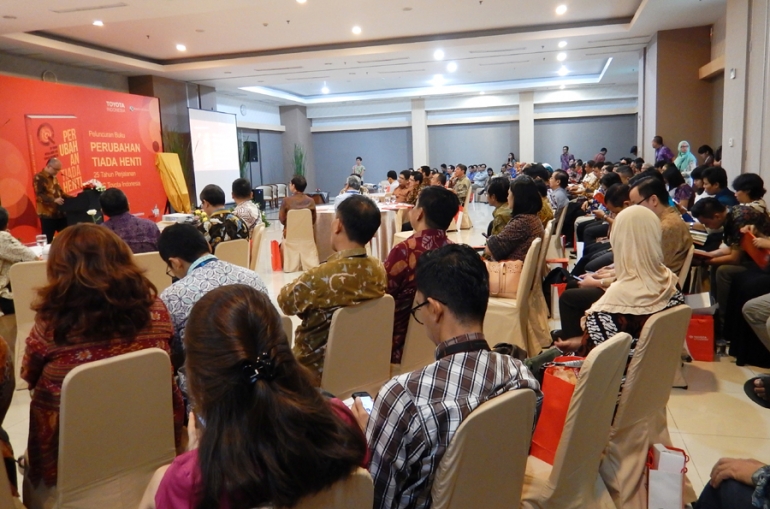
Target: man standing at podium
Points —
{"points": [[49, 199]]}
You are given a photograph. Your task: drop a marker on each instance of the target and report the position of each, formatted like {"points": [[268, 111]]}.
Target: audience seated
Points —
{"points": [[438, 179], [297, 201], [730, 259], [546, 212], [697, 186], [348, 277], [736, 484], [715, 185], [266, 436], [462, 184], [678, 189], [430, 218], [643, 286], [140, 234], [246, 209], [403, 186], [558, 199], [750, 190], [625, 173], [392, 181], [416, 414], [480, 181], [222, 225], [352, 187], [97, 304], [11, 251], [188, 257], [524, 227], [415, 186], [498, 198]]}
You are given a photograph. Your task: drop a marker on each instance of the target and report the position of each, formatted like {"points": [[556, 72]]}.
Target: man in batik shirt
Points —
{"points": [[462, 183], [347, 278], [430, 218], [222, 225], [245, 209]]}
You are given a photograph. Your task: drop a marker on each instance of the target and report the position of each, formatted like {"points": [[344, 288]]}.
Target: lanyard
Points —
{"points": [[466, 347]]}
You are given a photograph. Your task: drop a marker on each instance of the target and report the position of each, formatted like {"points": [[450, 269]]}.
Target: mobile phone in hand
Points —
{"points": [[365, 398]]}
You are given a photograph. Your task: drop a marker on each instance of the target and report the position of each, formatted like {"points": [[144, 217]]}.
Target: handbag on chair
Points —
{"points": [[504, 278]]}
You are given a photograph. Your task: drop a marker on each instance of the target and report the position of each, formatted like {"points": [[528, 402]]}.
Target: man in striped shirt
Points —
{"points": [[415, 415]]}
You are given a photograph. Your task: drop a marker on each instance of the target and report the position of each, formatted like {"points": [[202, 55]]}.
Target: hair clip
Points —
{"points": [[262, 369]]}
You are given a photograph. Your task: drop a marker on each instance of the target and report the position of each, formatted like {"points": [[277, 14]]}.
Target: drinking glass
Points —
{"points": [[41, 240]]}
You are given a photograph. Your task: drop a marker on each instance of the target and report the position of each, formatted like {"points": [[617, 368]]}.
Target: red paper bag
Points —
{"points": [[557, 394], [700, 337], [275, 255]]}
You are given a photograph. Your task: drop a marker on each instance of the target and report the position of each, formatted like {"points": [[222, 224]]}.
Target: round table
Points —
{"points": [[381, 243]]}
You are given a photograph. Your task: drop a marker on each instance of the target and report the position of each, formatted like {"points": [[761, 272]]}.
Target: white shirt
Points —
{"points": [[393, 186]]}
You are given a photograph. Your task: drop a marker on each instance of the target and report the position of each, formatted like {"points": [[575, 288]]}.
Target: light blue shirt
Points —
{"points": [[344, 196]]}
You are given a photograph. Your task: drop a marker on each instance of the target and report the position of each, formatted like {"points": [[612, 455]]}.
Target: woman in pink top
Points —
{"points": [[266, 435]]}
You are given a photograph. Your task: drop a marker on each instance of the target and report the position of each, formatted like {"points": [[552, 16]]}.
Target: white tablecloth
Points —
{"points": [[382, 242]]}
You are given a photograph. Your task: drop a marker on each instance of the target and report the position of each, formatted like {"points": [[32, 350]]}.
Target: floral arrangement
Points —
{"points": [[94, 185], [92, 213], [200, 216]]}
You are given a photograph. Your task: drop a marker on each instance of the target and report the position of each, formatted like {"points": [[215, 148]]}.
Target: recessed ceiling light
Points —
{"points": [[356, 29], [438, 80], [451, 66], [406, 9], [438, 54], [563, 71], [561, 9], [181, 47], [301, 1], [561, 57], [199, 30], [325, 90], [561, 87], [228, 72], [562, 44], [98, 23]]}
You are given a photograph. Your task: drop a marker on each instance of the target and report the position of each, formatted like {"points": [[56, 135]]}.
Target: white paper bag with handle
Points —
{"points": [[665, 477]]}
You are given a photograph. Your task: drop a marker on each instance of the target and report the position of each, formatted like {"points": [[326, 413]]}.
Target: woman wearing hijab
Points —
{"points": [[685, 161], [643, 285]]}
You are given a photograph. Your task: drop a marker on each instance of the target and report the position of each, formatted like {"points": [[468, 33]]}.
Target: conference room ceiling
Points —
{"points": [[309, 53]]}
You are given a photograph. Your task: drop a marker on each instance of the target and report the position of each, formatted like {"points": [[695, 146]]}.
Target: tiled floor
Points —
{"points": [[712, 419]]}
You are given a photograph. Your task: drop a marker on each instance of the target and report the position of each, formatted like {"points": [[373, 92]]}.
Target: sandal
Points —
{"points": [[749, 387]]}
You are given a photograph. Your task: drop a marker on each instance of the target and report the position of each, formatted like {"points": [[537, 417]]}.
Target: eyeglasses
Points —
{"points": [[643, 200], [168, 271], [413, 311]]}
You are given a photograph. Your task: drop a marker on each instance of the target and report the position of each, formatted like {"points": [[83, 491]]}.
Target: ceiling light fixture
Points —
{"points": [[563, 71], [561, 57], [98, 23], [181, 47], [438, 54], [562, 44], [325, 89], [301, 1], [561, 9], [451, 66], [438, 80], [481, 93], [356, 29], [562, 87]]}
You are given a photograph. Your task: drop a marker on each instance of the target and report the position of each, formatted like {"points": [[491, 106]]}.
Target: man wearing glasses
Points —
{"points": [[415, 415], [188, 259]]}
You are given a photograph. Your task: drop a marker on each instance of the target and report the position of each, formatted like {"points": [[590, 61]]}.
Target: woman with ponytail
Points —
{"points": [[266, 436]]}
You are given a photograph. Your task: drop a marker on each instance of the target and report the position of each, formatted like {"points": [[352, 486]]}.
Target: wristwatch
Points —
{"points": [[759, 477]]}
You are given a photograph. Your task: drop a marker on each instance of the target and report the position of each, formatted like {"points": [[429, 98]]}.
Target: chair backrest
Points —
{"points": [[419, 350], [542, 268], [116, 427], [525, 285], [267, 192], [26, 278], [154, 269], [256, 243], [485, 462], [234, 251], [281, 190], [299, 224], [358, 348], [467, 199], [555, 250], [587, 427], [686, 267], [354, 492], [288, 328], [651, 371]]}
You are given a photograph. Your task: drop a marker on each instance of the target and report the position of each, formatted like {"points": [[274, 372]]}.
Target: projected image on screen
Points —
{"points": [[214, 140]]}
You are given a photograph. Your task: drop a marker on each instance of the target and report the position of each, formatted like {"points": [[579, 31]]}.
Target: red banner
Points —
{"points": [[96, 134]]}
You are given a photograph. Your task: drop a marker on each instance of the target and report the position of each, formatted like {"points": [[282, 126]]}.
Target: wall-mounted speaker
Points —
{"points": [[252, 151]]}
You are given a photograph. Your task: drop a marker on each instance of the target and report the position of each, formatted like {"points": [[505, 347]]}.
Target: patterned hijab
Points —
{"points": [[685, 158], [643, 285]]}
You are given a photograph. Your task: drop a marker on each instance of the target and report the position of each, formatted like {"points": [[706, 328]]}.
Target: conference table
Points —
{"points": [[381, 244]]}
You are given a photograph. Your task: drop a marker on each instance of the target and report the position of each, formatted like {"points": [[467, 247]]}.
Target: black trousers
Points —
{"points": [[594, 231], [731, 494], [51, 226], [581, 228], [573, 304], [6, 306], [745, 346]]}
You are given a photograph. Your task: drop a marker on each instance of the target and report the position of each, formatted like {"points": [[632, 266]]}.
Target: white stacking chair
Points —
{"points": [[419, 350], [267, 194], [507, 319], [299, 247], [537, 325], [573, 482], [465, 218], [356, 360], [234, 251], [640, 419], [281, 192], [686, 267], [26, 278], [255, 245], [354, 492], [288, 328], [7, 500], [485, 462], [556, 249], [116, 427], [154, 269]]}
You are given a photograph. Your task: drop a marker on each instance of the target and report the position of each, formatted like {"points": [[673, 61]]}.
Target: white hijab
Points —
{"points": [[643, 285]]}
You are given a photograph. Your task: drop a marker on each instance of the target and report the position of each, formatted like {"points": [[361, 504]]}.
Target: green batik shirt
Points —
{"points": [[462, 186], [347, 278]]}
